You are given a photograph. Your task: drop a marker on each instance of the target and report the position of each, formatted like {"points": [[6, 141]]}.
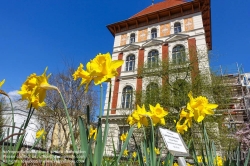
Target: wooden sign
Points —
{"points": [[174, 142]]}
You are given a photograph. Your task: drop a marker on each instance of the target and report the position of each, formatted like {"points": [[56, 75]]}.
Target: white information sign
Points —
{"points": [[174, 142]]}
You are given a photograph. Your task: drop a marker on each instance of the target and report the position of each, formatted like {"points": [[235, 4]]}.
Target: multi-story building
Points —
{"points": [[172, 31]]}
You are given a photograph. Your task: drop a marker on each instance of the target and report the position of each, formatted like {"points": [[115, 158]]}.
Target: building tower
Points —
{"points": [[161, 32]]}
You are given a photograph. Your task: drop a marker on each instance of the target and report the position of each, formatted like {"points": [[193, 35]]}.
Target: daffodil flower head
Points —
{"points": [[124, 136], [40, 133], [140, 116], [175, 164], [188, 115], [158, 114], [34, 89], [43, 85], [144, 159], [125, 152], [28, 87], [218, 161], [34, 101], [157, 151], [134, 154], [181, 127], [130, 120], [103, 68], [84, 75], [43, 81], [92, 133], [200, 107], [1, 83], [199, 159]]}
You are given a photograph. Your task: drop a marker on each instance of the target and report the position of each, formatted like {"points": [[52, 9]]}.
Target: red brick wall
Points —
{"points": [[140, 64], [139, 79], [193, 58], [116, 88], [164, 60]]}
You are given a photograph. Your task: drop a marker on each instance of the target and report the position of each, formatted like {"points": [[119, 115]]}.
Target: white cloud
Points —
{"points": [[14, 96]]}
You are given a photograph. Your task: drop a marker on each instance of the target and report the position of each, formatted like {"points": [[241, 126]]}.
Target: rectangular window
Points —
{"points": [[153, 35], [177, 29], [132, 40]]}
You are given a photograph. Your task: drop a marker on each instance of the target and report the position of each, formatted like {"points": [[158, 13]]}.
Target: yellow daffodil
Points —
{"points": [[40, 133], [139, 116], [1, 83], [199, 159], [157, 151], [104, 68], [134, 154], [188, 116], [100, 69], [125, 153], [124, 136], [34, 89], [200, 107], [92, 133], [84, 75], [162, 162], [144, 159], [28, 92], [175, 164], [218, 161], [43, 85], [157, 114], [34, 100], [28, 87], [130, 120], [189, 164], [181, 128]]}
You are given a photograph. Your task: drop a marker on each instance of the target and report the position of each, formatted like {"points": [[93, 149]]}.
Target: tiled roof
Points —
{"points": [[159, 6]]}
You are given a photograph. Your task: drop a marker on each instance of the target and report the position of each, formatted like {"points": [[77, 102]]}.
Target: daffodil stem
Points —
{"points": [[12, 111], [18, 144], [101, 96], [70, 125], [31, 111]]}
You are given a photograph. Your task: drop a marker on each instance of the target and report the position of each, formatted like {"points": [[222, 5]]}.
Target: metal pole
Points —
{"points": [[181, 161]]}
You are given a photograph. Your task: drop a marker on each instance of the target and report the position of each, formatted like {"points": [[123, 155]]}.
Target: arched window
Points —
{"points": [[180, 91], [153, 33], [153, 58], [130, 62], [178, 54], [152, 93], [132, 38], [177, 27], [127, 93]]}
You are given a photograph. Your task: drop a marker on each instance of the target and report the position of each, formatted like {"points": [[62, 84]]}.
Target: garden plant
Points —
{"points": [[89, 150]]}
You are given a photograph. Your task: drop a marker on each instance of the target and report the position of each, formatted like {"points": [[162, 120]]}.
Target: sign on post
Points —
{"points": [[174, 142]]}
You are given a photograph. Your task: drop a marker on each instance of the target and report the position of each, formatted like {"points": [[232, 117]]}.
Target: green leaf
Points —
{"points": [[83, 137], [18, 162], [247, 159], [98, 155]]}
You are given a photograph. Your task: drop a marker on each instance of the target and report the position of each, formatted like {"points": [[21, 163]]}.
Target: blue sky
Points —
{"points": [[39, 33]]}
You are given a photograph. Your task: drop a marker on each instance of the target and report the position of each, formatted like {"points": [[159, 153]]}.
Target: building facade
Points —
{"points": [[171, 31]]}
